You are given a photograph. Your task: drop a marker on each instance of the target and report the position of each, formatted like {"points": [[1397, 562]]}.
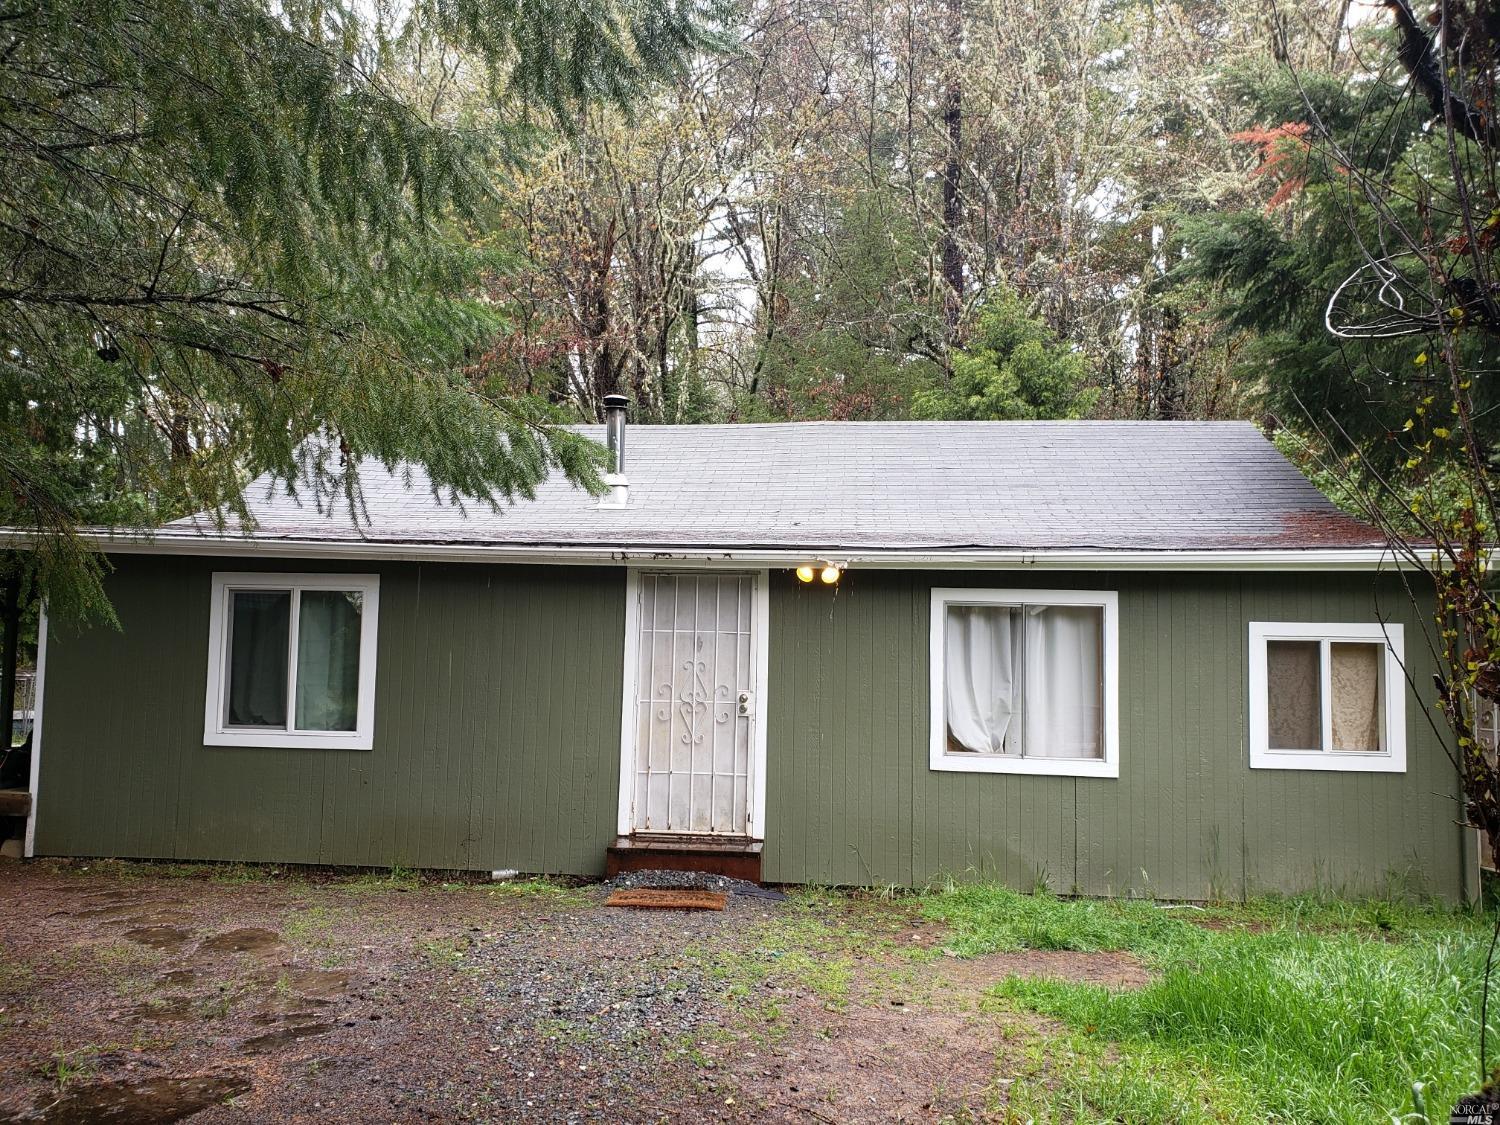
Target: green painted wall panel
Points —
{"points": [[496, 745], [1187, 818], [498, 723]]}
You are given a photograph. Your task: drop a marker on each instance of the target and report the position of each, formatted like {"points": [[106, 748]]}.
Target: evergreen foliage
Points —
{"points": [[1014, 368], [228, 226], [1327, 205], [857, 334]]}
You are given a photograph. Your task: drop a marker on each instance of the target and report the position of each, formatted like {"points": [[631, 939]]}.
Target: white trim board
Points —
{"points": [[742, 558], [938, 756], [37, 710], [1393, 691], [760, 617], [625, 818], [760, 621]]}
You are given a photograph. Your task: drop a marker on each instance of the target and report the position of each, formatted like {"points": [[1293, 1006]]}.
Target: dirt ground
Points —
{"points": [[138, 994]]}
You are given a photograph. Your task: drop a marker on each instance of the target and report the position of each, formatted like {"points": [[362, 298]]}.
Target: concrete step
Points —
{"points": [[738, 859]]}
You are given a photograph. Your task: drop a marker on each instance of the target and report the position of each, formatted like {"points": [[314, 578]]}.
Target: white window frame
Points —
{"points": [[218, 733], [1393, 689], [941, 759]]}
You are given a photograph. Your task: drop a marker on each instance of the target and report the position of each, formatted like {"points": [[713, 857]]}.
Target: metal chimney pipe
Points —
{"points": [[618, 485], [615, 407]]}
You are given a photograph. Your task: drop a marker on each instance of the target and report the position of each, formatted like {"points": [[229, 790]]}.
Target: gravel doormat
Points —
{"points": [[648, 899], [692, 880]]}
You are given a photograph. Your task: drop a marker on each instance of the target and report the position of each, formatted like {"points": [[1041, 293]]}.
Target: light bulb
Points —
{"points": [[804, 574], [830, 575]]}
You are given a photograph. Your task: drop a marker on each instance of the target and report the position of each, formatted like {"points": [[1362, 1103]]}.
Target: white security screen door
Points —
{"points": [[695, 684]]}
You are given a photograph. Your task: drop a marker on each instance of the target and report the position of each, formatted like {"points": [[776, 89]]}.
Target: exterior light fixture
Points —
{"points": [[826, 570]]}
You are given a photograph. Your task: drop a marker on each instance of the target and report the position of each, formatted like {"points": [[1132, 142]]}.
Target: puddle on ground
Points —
{"points": [[280, 1008], [288, 1014], [166, 917], [114, 911], [320, 984], [158, 937], [249, 940], [293, 987], [169, 1009], [261, 1044], [138, 1103]]}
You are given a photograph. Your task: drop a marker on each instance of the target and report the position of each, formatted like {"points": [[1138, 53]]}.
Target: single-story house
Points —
{"points": [[1104, 657]]}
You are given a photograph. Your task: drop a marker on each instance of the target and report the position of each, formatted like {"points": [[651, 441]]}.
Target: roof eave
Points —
{"points": [[1312, 558]]}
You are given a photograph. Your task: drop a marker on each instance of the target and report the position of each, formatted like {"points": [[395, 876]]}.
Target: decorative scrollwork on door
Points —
{"points": [[692, 704]]}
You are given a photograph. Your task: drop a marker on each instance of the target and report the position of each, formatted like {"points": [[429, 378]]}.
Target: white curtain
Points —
{"points": [[1062, 681], [981, 669], [1025, 680]]}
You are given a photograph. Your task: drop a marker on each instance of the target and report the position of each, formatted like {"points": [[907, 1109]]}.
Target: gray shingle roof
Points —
{"points": [[871, 486]]}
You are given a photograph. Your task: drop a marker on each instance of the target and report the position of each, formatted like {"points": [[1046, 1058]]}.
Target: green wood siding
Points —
{"points": [[497, 741], [852, 800], [497, 729]]}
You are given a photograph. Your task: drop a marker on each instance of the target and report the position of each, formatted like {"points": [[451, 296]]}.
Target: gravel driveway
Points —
{"points": [[135, 993]]}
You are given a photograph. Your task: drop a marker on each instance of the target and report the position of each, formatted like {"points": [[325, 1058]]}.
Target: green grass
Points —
{"points": [[1285, 1010], [396, 879], [989, 919], [68, 1067], [15, 978], [233, 873], [311, 925], [557, 893], [445, 952], [811, 943]]}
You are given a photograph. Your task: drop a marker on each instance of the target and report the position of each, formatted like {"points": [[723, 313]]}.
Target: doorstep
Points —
{"points": [[15, 802], [715, 855]]}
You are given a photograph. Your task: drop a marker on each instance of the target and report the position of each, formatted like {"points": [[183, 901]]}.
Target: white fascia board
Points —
{"points": [[1331, 559]]}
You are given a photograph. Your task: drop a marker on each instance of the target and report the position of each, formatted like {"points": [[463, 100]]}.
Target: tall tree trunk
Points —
{"points": [[1276, 30], [953, 126], [603, 372], [180, 440], [1336, 40], [1172, 370], [693, 343]]}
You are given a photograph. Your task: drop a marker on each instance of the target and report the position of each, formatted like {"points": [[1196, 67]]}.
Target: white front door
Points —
{"points": [[692, 707]]}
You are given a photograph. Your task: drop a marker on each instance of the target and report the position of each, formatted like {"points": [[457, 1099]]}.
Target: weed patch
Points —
{"points": [[445, 952], [312, 926], [396, 879], [555, 892], [68, 1067], [989, 919], [813, 944]]}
